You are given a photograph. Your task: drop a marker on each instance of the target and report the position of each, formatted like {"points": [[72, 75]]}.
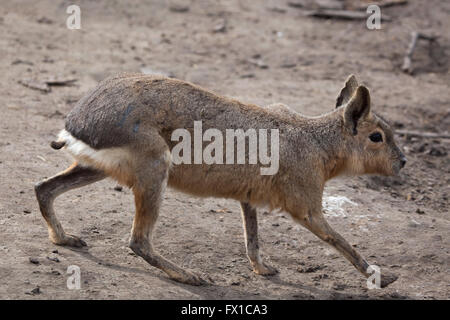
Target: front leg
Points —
{"points": [[251, 241], [316, 223]]}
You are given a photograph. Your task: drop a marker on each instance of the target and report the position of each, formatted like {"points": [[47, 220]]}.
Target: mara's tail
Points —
{"points": [[57, 144], [63, 140], [116, 162]]}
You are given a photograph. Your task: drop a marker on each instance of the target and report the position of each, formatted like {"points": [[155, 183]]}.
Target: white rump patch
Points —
{"points": [[110, 158]]}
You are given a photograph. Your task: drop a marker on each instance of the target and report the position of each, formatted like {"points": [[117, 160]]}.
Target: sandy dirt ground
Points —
{"points": [[258, 51]]}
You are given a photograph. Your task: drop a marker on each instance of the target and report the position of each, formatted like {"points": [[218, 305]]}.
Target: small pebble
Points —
{"points": [[53, 259], [420, 211], [36, 290], [178, 7]]}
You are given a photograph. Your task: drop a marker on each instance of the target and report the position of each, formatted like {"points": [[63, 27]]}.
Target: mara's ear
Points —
{"points": [[357, 109], [347, 91]]}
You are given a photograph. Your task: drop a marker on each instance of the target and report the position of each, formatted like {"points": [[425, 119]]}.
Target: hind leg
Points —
{"points": [[150, 182], [47, 190], [251, 241]]}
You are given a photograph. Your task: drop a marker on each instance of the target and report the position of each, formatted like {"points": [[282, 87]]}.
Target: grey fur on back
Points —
{"points": [[113, 114]]}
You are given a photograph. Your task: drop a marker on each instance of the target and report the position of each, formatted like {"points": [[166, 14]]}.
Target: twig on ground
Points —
{"points": [[430, 135], [385, 3], [343, 14], [415, 36]]}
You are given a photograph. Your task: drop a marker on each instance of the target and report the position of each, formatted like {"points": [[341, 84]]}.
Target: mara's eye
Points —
{"points": [[376, 137]]}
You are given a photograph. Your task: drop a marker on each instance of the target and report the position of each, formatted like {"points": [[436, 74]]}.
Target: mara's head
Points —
{"points": [[369, 140]]}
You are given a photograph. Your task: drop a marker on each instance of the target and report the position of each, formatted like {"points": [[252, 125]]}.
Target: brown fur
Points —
{"points": [[137, 114]]}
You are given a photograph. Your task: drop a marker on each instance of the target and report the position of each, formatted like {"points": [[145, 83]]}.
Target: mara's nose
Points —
{"points": [[403, 161]]}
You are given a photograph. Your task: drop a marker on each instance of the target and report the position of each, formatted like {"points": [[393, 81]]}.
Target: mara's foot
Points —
{"points": [[70, 240], [189, 278], [264, 270]]}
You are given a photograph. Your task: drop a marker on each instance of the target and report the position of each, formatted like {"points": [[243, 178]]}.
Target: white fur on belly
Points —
{"points": [[110, 158]]}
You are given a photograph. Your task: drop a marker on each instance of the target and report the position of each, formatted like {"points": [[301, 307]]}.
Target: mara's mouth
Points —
{"points": [[396, 168]]}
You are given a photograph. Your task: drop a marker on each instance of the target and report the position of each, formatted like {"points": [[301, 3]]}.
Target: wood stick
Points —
{"points": [[407, 67], [343, 14], [419, 134], [385, 4]]}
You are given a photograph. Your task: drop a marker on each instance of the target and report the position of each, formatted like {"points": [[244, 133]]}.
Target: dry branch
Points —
{"points": [[415, 36], [384, 3], [343, 14], [419, 134]]}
